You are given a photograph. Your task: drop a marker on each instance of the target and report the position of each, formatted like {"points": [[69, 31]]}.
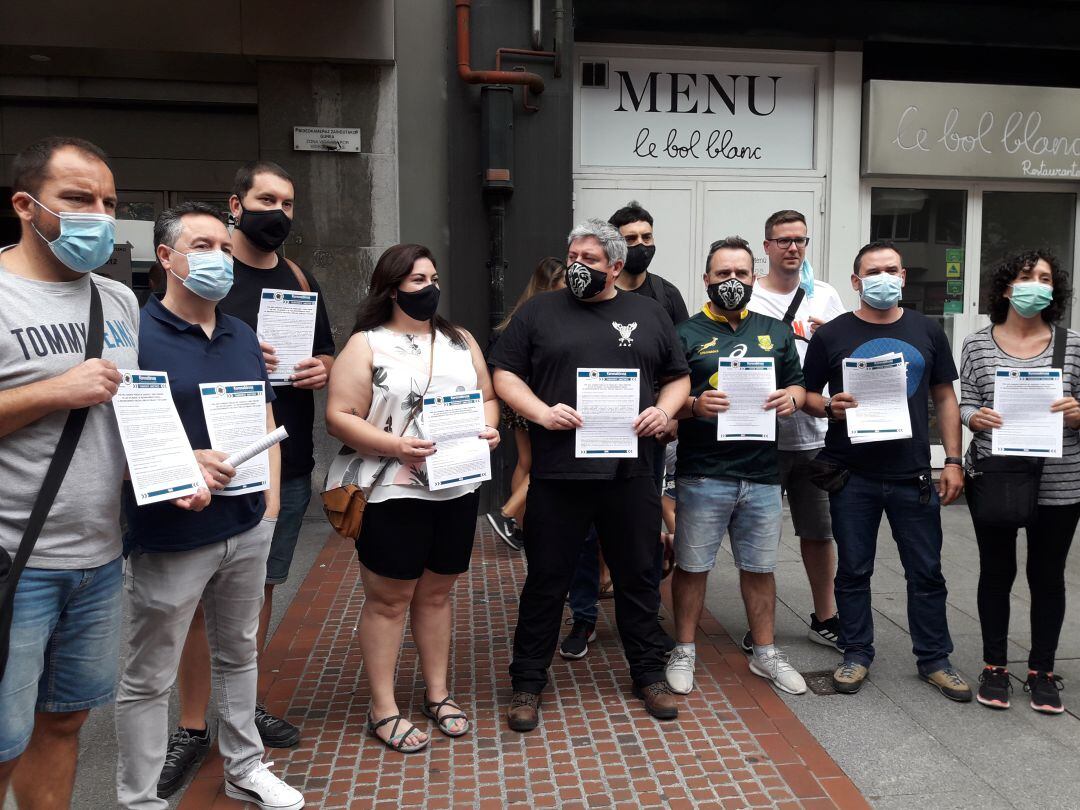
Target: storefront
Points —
{"points": [[711, 141]]}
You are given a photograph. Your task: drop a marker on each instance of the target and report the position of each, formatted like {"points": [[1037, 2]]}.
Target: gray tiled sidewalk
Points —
{"points": [[903, 744]]}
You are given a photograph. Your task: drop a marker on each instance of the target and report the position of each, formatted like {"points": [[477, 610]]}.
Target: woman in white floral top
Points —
{"points": [[414, 542]]}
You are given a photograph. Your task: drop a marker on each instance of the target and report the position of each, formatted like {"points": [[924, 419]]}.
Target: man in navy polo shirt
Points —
{"points": [[218, 555]]}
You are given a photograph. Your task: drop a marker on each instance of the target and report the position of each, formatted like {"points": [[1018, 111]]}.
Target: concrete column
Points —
{"points": [[346, 203], [842, 215]]}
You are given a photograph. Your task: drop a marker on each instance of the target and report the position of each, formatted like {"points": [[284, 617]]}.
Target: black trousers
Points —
{"points": [[626, 514], [1049, 538]]}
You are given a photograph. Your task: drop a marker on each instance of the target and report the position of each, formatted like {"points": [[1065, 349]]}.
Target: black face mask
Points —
{"points": [[638, 259], [585, 282], [419, 305], [731, 295], [267, 230]]}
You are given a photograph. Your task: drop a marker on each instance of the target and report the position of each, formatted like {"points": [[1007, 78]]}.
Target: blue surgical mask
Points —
{"points": [[1029, 298], [210, 273], [86, 240], [881, 291]]}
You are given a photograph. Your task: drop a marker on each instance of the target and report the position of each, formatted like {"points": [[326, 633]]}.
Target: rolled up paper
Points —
{"points": [[253, 449]]}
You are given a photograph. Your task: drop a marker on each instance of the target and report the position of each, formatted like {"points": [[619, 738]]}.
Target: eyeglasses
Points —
{"points": [[784, 242]]}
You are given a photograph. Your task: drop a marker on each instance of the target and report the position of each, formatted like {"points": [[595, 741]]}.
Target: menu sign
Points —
{"points": [[701, 115]]}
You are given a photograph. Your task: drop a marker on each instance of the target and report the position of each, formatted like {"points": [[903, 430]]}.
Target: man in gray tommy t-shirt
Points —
{"points": [[65, 632]]}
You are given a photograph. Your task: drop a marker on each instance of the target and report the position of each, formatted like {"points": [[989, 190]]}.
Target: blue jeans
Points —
{"points": [[748, 512], [295, 494], [856, 515], [64, 650]]}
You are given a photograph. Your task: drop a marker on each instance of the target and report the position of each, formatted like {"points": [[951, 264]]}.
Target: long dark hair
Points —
{"points": [[549, 272], [1008, 271], [393, 267]]}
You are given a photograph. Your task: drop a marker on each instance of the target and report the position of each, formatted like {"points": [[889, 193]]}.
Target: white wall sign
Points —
{"points": [[698, 115], [971, 130], [326, 139]]}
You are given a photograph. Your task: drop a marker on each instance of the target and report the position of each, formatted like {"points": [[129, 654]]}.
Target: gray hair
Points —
{"points": [[168, 226], [606, 234]]}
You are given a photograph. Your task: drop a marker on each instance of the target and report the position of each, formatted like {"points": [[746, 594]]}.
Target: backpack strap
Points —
{"points": [[301, 279], [793, 308]]}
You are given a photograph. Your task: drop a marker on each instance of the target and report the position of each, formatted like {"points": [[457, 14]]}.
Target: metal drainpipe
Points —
{"points": [[533, 81]]}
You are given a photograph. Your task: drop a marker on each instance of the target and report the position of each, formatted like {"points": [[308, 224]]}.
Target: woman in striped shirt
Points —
{"points": [[1029, 294]]}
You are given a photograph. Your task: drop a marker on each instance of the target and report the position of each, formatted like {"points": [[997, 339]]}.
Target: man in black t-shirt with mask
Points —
{"points": [[554, 336], [262, 204], [868, 479], [635, 225]]}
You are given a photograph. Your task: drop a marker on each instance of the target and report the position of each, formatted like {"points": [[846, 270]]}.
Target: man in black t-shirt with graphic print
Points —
{"points": [[589, 325], [893, 477]]}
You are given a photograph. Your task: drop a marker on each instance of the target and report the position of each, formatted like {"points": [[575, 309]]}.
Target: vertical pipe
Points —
{"points": [[496, 260]]}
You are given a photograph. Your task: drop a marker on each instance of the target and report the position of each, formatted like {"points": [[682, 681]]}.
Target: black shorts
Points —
{"points": [[402, 537]]}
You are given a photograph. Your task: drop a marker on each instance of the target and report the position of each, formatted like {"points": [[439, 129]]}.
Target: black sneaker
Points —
{"points": [[505, 527], [825, 633], [183, 754], [517, 538], [1044, 689], [275, 732], [576, 644], [747, 643], [994, 687]]}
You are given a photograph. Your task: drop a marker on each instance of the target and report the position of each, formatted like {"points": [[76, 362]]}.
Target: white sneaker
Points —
{"points": [[680, 671], [264, 790], [776, 668]]}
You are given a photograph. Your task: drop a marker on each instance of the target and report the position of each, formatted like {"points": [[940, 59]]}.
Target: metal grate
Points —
{"points": [[594, 74], [820, 682]]}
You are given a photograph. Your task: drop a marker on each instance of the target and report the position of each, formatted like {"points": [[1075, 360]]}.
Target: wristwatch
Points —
{"points": [[828, 410], [959, 462]]}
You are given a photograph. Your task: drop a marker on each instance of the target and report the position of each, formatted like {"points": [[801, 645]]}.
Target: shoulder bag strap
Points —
{"points": [[65, 448], [1061, 339], [412, 413], [1057, 360], [793, 307], [301, 279]]}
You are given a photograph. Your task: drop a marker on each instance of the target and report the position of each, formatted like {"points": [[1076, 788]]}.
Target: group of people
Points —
{"points": [[199, 571]]}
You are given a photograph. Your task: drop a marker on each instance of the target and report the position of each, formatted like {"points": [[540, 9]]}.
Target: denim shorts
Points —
{"points": [[64, 650], [295, 494], [750, 513]]}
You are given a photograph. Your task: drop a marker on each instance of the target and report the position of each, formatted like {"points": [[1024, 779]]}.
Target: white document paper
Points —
{"points": [[276, 436], [879, 385], [608, 400], [1023, 397], [236, 417], [287, 322], [748, 382], [454, 422], [161, 463]]}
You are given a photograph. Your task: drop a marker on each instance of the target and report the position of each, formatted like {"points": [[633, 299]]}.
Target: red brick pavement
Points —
{"points": [[735, 745]]}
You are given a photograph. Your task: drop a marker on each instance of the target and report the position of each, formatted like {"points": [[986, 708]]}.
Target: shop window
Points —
{"points": [[1013, 221]]}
